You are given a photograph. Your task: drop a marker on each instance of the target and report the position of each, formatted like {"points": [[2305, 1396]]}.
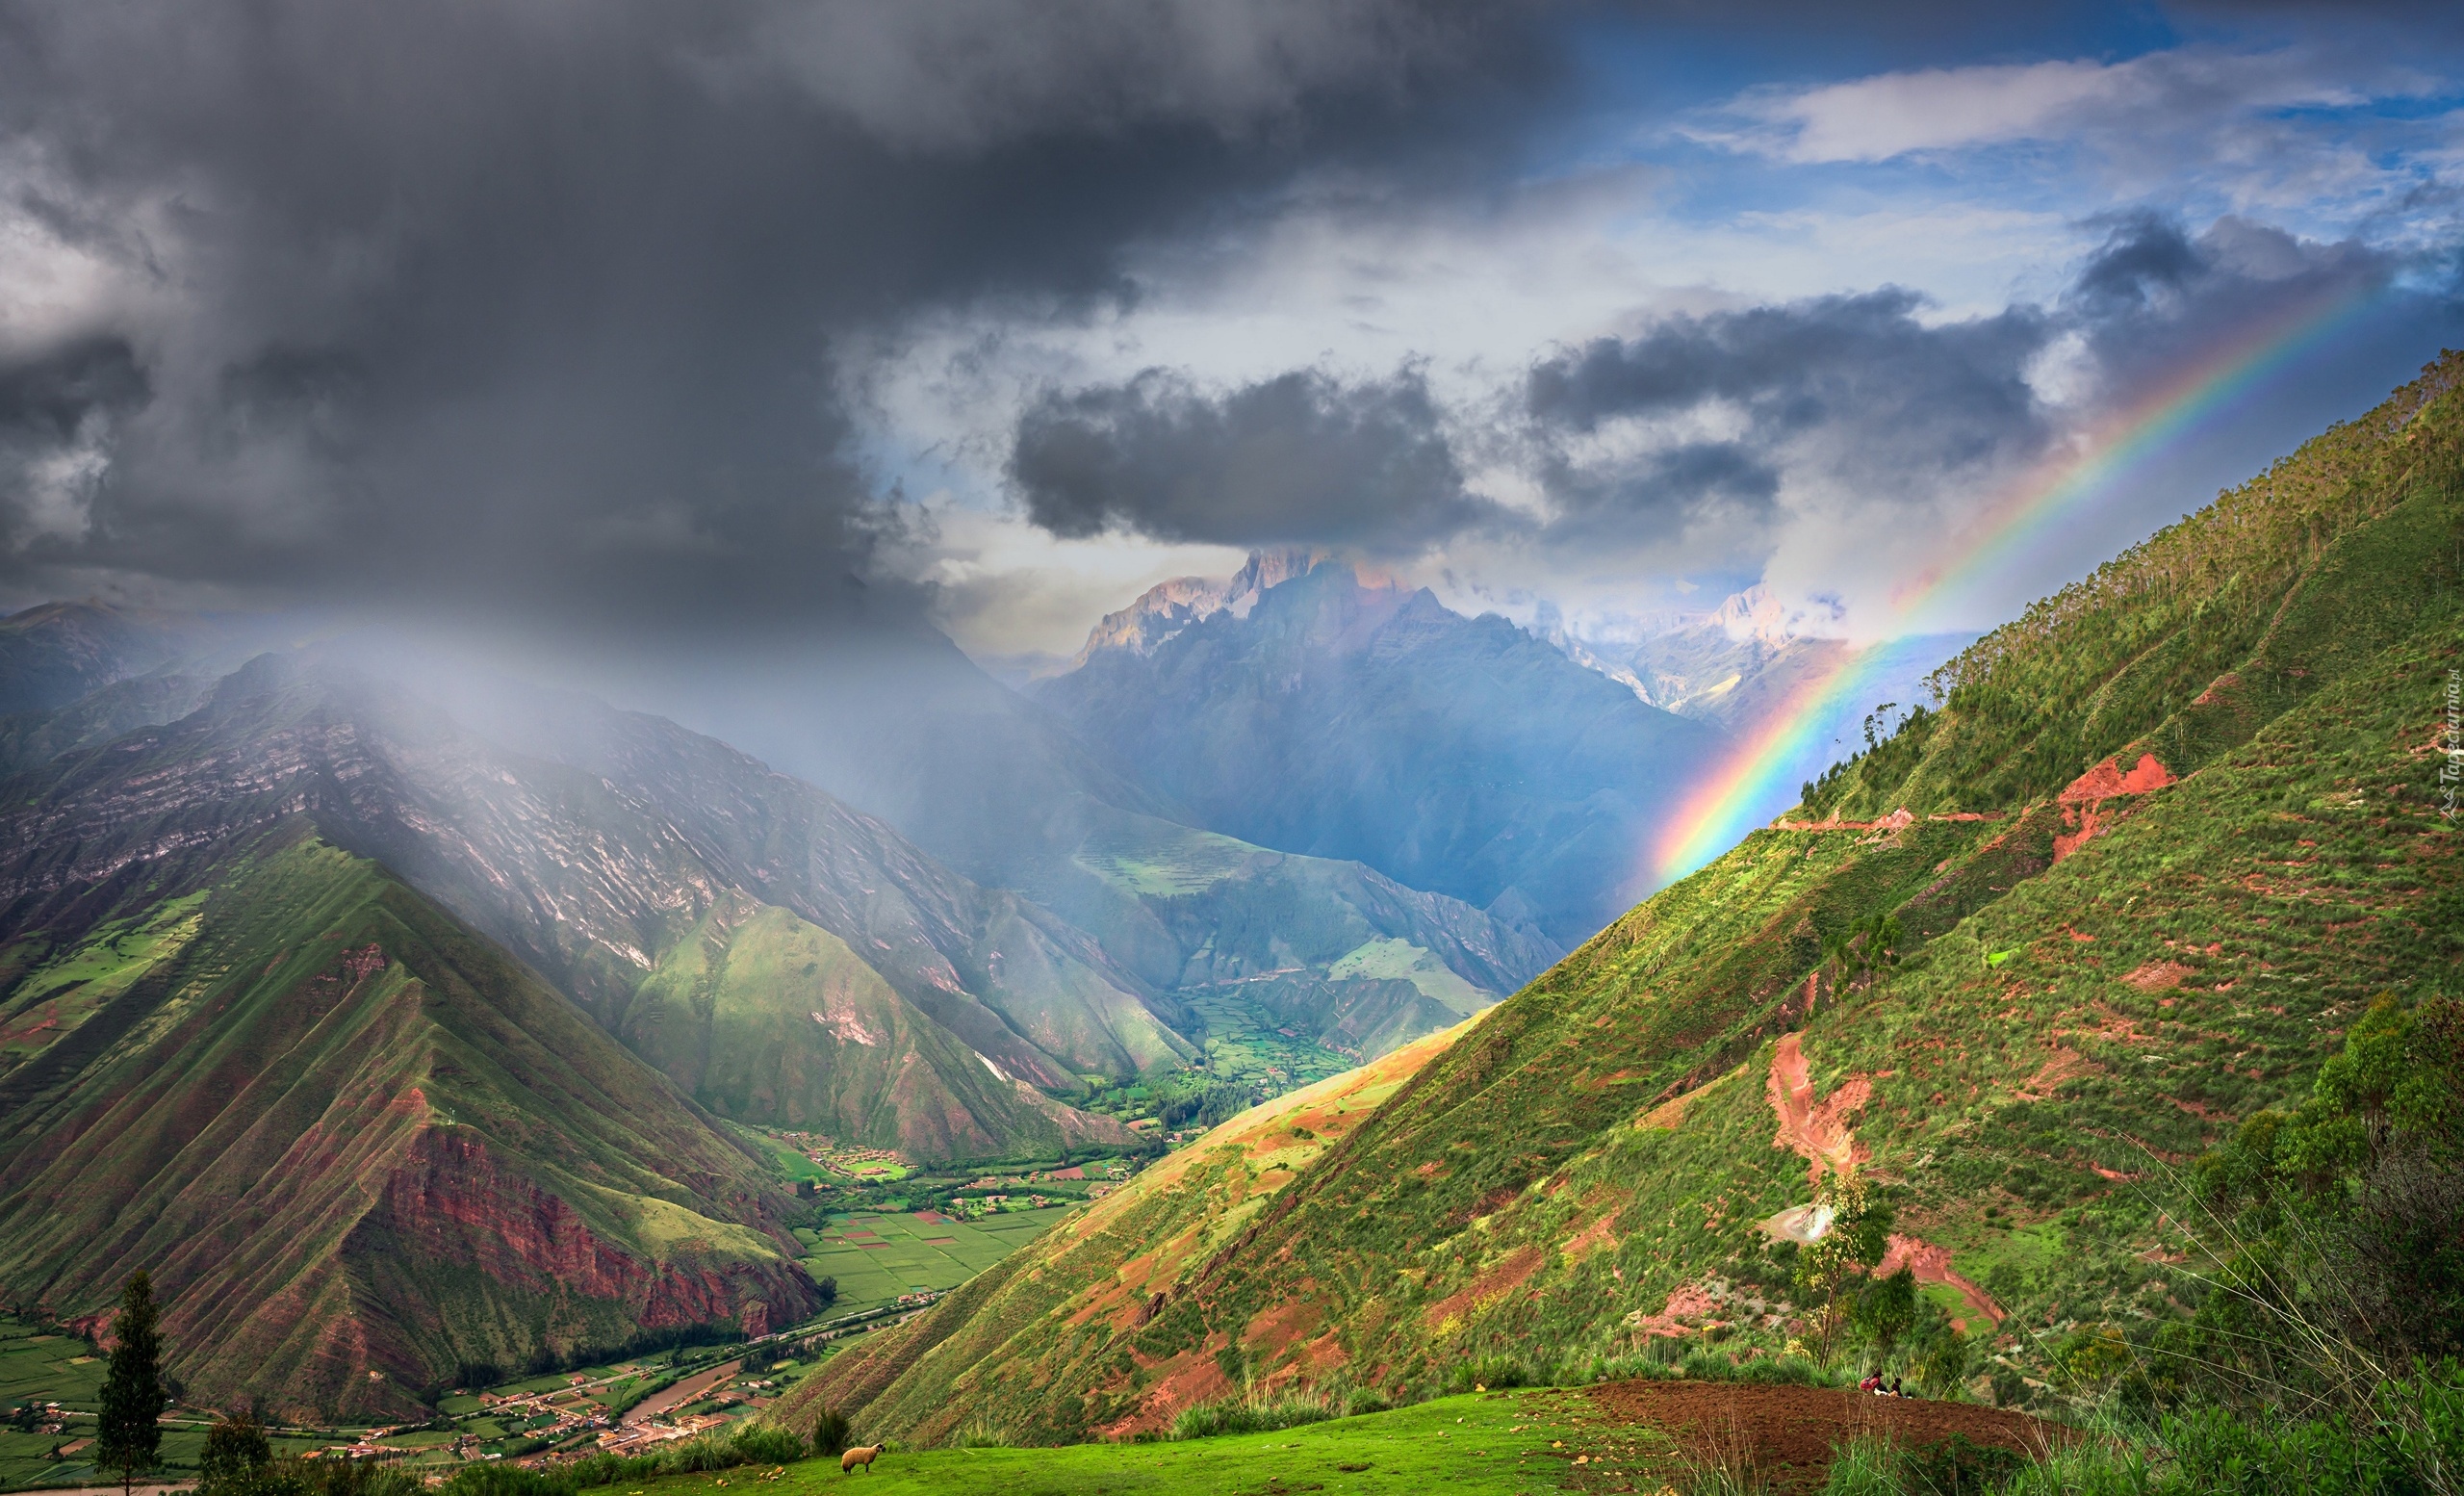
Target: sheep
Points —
{"points": [[861, 1454]]}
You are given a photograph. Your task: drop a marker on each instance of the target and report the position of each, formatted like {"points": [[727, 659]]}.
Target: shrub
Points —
{"points": [[1250, 1415], [710, 1452], [1491, 1372], [1364, 1402], [1791, 1371], [761, 1444], [828, 1431], [236, 1449]]}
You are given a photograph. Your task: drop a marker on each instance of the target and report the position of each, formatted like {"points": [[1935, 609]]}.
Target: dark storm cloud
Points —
{"points": [[1864, 359], [2145, 256], [2153, 293], [1661, 496], [1856, 383], [1301, 457], [536, 306], [57, 410]]}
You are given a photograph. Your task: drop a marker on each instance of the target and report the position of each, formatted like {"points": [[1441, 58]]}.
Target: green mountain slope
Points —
{"points": [[1310, 940], [1026, 1318], [593, 871], [763, 1017], [2199, 828], [359, 1148]]}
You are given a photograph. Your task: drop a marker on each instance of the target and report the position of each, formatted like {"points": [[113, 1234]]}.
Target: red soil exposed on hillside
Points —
{"points": [[1790, 1432], [1496, 1283], [2107, 780], [1818, 1131], [1688, 1305], [2082, 799], [2158, 976]]}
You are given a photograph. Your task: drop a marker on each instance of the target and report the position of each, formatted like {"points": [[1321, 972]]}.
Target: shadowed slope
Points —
{"points": [[764, 1017]]}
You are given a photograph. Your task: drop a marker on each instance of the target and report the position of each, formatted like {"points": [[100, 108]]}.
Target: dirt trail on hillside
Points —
{"points": [[1789, 1434], [1818, 1131], [1932, 1264]]}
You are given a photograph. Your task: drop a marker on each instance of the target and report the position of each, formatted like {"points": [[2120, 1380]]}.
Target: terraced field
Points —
{"points": [[877, 1256]]}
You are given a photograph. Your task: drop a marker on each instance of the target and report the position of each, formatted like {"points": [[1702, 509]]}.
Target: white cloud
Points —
{"points": [[1892, 115]]}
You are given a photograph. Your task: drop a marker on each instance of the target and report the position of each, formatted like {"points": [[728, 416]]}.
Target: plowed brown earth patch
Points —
{"points": [[1789, 1434]]}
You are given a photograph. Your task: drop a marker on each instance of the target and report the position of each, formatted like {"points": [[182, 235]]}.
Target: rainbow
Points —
{"points": [[1753, 781]]}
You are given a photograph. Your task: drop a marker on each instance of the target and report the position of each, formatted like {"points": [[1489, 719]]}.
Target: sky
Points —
{"points": [[744, 323]]}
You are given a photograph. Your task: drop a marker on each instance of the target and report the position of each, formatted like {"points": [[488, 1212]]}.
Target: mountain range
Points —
{"points": [[364, 999], [1306, 707], [2168, 836]]}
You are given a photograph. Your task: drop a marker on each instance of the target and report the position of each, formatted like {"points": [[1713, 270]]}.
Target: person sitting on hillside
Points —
{"points": [[1895, 1390], [1873, 1383]]}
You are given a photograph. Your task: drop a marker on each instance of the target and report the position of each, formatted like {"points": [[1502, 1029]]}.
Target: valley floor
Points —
{"points": [[1618, 1437]]}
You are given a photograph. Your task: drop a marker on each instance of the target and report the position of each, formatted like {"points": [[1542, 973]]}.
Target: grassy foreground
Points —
{"points": [[1497, 1442]]}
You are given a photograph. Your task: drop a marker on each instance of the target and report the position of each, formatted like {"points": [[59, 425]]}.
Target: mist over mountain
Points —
{"points": [[1058, 723]]}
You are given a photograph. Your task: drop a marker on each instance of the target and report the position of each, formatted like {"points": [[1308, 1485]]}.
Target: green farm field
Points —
{"points": [[39, 1367], [1244, 1045], [878, 1256], [1498, 1444]]}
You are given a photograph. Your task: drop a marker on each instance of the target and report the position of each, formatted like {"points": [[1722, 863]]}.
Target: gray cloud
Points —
{"points": [[538, 306], [1859, 384], [1863, 393], [1864, 397], [1301, 457]]}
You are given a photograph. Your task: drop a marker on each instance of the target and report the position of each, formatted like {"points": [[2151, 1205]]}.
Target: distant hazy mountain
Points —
{"points": [[1003, 789], [1363, 721], [1744, 662], [54, 653]]}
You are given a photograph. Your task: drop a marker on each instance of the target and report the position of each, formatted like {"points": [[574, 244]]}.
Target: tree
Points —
{"points": [[131, 1438], [236, 1450], [1855, 1240], [1887, 1311]]}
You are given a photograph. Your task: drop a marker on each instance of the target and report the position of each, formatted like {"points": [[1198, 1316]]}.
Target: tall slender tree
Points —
{"points": [[134, 1398]]}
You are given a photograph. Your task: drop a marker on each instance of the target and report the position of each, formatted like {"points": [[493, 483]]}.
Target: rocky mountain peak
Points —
{"points": [[1166, 609]]}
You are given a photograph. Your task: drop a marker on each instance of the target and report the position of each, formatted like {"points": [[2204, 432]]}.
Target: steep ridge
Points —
{"points": [[2133, 905], [1311, 940], [1369, 723], [362, 1151], [1106, 1266], [587, 881]]}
